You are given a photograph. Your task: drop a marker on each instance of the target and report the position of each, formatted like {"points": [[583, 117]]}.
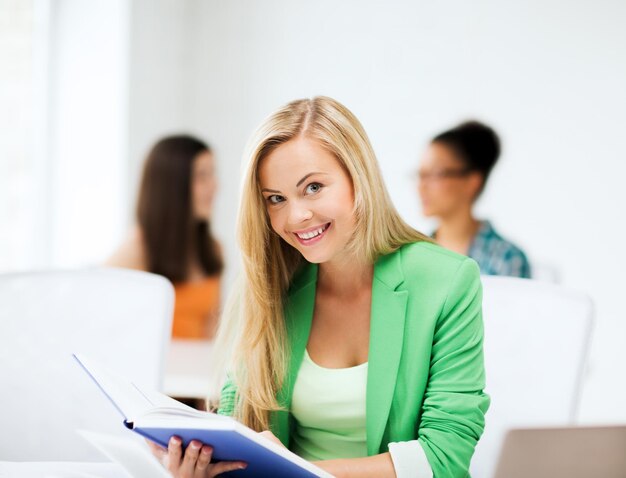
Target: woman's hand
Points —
{"points": [[195, 462]]}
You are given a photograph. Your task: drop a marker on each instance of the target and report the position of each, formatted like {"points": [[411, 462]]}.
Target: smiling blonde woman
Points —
{"points": [[357, 341]]}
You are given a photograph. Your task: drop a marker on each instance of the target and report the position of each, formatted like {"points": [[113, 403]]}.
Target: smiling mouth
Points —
{"points": [[312, 236]]}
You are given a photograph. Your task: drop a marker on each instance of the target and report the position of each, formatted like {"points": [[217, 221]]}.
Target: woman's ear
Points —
{"points": [[475, 184]]}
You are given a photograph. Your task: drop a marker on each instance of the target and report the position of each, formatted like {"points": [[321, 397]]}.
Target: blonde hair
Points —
{"points": [[253, 321]]}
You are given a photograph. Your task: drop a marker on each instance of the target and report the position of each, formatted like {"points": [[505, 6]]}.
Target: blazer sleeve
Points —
{"points": [[454, 407], [227, 399]]}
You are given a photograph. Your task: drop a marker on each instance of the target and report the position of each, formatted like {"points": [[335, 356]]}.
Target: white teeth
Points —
{"points": [[311, 234]]}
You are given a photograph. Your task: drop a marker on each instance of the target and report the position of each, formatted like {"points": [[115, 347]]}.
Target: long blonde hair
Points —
{"points": [[253, 323]]}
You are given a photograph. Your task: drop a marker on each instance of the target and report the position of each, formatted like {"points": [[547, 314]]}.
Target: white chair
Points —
{"points": [[120, 317], [537, 336], [545, 271]]}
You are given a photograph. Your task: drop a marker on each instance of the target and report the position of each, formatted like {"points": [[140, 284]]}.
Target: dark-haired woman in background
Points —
{"points": [[452, 175], [172, 236]]}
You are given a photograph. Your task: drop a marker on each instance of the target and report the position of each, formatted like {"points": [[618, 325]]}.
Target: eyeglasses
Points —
{"points": [[438, 174]]}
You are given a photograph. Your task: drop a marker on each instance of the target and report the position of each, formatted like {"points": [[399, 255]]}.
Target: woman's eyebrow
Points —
{"points": [[307, 176], [304, 178]]}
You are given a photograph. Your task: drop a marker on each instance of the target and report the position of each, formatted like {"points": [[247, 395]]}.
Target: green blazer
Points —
{"points": [[425, 366]]}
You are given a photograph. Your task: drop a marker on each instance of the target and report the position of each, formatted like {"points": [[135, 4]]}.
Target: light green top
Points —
{"points": [[328, 405]]}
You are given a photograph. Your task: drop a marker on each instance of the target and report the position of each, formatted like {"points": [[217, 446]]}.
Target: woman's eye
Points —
{"points": [[313, 188], [275, 199]]}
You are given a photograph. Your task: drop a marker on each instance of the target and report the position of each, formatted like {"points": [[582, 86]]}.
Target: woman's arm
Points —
{"points": [[453, 412], [227, 399], [377, 466]]}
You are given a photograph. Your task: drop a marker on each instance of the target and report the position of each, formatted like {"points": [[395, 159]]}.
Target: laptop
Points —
{"points": [[575, 452]]}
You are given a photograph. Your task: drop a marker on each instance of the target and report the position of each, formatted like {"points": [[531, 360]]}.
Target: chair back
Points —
{"points": [[537, 335], [120, 317]]}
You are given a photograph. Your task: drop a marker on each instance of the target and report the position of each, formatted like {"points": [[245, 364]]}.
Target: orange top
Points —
{"points": [[196, 308]]}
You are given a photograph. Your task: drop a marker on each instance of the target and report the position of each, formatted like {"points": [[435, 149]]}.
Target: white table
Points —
{"points": [[130, 458], [61, 470]]}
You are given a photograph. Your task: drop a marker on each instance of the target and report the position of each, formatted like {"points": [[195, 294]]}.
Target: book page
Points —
{"points": [[130, 401], [160, 400], [133, 402]]}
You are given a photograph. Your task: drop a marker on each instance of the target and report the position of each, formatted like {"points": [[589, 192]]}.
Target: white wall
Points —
{"points": [[85, 154], [549, 76], [117, 78], [160, 78], [17, 65]]}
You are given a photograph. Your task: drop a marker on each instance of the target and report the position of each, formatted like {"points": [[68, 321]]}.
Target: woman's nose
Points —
{"points": [[299, 213]]}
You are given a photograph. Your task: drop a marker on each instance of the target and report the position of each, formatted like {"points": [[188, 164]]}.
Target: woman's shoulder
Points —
{"points": [[425, 252], [428, 261]]}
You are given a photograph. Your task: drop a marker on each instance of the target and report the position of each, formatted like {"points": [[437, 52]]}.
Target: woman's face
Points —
{"points": [[445, 186], [309, 199], [203, 185]]}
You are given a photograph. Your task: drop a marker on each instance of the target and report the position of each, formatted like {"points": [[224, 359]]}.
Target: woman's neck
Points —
{"points": [[456, 231], [345, 279]]}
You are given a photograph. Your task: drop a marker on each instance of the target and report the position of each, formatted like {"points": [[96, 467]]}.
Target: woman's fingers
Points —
{"points": [[204, 458], [188, 466], [195, 461], [174, 453], [224, 466]]}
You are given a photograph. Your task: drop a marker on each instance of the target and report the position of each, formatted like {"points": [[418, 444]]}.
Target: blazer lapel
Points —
{"points": [[386, 336]]}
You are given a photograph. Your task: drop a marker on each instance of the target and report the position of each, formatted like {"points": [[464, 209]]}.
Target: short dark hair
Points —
{"points": [[476, 145], [171, 234]]}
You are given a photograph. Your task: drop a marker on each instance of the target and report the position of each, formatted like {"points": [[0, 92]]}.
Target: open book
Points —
{"points": [[158, 417]]}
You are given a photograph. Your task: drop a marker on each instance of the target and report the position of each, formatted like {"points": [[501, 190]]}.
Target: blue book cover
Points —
{"points": [[157, 417]]}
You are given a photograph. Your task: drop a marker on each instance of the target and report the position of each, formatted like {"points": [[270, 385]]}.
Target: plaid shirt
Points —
{"points": [[496, 256]]}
